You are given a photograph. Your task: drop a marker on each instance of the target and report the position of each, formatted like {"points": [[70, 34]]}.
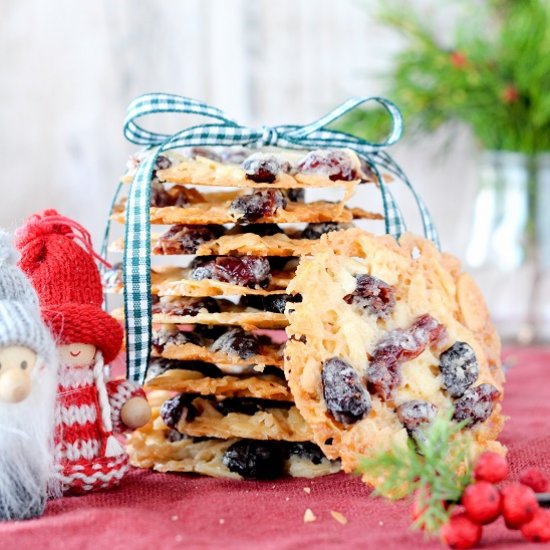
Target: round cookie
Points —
{"points": [[387, 337]]}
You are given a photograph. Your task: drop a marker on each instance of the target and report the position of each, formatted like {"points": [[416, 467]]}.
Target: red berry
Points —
{"points": [[459, 60], [481, 501], [538, 529], [461, 532], [491, 467], [536, 479], [519, 505]]}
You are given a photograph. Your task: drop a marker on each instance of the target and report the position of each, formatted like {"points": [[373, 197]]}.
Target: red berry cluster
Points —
{"points": [[483, 503]]}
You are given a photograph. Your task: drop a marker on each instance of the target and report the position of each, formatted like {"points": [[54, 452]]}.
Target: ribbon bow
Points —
{"points": [[225, 131]]}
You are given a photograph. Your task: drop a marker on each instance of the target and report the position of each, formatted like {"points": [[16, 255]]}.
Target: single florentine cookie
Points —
{"points": [[233, 345], [245, 417], [248, 385], [165, 449], [233, 211], [214, 276], [261, 169], [263, 239], [387, 340], [248, 320]]}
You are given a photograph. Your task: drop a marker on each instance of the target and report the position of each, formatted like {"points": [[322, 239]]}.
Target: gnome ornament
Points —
{"points": [[28, 371], [90, 409]]}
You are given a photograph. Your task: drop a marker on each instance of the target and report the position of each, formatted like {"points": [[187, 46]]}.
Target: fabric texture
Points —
{"points": [[21, 325], [68, 284], [20, 322], [89, 457], [14, 285], [67, 281], [173, 511]]}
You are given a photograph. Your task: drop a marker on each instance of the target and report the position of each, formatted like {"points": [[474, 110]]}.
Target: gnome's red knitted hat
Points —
{"points": [[67, 281]]}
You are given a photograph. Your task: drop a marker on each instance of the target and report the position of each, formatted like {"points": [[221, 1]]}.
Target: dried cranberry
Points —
{"points": [[175, 436], [274, 303], [477, 404], [459, 368], [314, 231], [295, 195], [332, 163], [254, 459], [177, 408], [113, 278], [237, 342], [159, 195], [242, 270], [347, 399], [185, 305], [416, 416], [202, 267], [261, 168], [307, 450], [174, 337], [182, 196], [177, 195], [257, 205], [372, 295], [162, 163], [398, 347], [185, 239]]}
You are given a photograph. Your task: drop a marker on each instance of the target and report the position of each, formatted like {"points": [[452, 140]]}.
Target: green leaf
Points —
{"points": [[436, 469], [496, 46]]}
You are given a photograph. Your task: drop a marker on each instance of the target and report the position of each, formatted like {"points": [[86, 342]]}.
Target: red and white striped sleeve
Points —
{"points": [[119, 392]]}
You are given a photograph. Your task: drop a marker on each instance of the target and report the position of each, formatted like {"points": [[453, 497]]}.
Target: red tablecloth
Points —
{"points": [[157, 511]]}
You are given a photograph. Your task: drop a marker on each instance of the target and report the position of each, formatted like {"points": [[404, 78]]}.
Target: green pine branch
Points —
{"points": [[436, 469], [494, 78]]}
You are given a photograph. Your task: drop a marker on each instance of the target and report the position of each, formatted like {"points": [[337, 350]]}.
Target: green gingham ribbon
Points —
{"points": [[225, 131]]}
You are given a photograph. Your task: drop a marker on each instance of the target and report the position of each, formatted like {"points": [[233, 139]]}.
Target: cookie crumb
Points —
{"points": [[339, 517], [307, 490], [309, 516], [222, 521]]}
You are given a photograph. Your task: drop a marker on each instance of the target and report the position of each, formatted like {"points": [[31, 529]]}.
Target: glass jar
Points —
{"points": [[501, 248], [541, 302]]}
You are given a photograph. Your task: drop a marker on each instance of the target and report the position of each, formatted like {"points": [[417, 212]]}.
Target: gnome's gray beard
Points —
{"points": [[27, 472]]}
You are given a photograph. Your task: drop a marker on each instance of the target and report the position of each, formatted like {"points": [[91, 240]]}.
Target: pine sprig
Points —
{"points": [[490, 72], [436, 469]]}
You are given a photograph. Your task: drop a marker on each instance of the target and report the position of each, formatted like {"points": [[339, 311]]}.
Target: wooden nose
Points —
{"points": [[15, 386]]}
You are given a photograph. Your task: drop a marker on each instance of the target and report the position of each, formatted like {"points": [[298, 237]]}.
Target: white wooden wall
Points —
{"points": [[68, 70]]}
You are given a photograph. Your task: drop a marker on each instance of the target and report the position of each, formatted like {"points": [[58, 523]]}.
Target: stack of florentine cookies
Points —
{"points": [[382, 337], [235, 224]]}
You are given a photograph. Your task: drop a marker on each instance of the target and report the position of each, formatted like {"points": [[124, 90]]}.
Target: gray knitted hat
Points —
{"points": [[21, 325], [14, 285], [20, 321]]}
